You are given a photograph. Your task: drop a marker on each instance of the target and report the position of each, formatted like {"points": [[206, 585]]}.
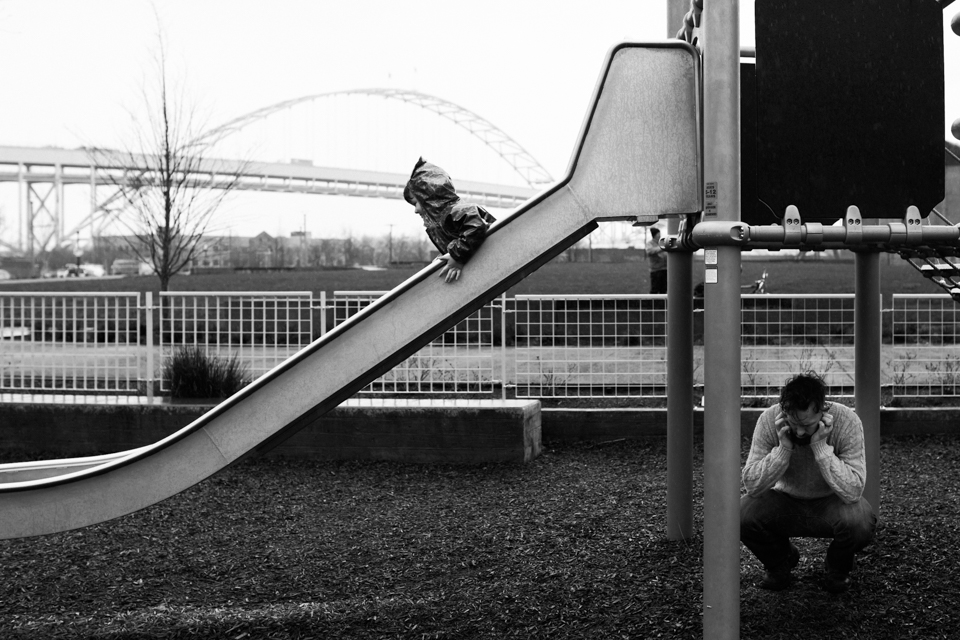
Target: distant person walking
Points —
{"points": [[657, 261], [455, 227]]}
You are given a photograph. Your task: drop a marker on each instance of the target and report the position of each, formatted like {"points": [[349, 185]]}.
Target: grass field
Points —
{"points": [[555, 278]]}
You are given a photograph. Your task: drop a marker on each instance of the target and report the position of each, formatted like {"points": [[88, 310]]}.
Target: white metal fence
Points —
{"points": [[782, 335], [924, 356], [589, 346], [260, 329], [525, 346], [70, 342], [461, 361]]}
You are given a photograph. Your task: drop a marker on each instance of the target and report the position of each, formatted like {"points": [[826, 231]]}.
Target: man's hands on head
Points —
{"points": [[785, 434], [783, 431], [451, 269], [825, 428]]}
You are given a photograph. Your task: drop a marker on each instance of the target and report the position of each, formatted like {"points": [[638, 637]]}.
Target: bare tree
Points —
{"points": [[167, 185]]}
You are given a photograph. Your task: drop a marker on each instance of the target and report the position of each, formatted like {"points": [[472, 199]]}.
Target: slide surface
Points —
{"points": [[637, 157]]}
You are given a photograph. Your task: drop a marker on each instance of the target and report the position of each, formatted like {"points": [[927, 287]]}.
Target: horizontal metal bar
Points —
{"points": [[359, 293], [941, 296], [798, 296], [731, 233], [68, 294], [627, 296], [232, 294]]}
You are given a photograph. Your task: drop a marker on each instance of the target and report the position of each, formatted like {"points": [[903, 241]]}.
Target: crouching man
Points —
{"points": [[804, 477]]}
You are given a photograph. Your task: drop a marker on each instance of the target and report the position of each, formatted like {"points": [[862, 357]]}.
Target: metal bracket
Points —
{"points": [[853, 223], [721, 233], [792, 227], [645, 221], [914, 225]]}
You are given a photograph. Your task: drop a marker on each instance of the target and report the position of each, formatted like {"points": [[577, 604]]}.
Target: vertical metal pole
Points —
{"points": [[31, 231], [21, 208], [721, 495], [503, 345], [93, 201], [679, 365], [866, 316], [676, 9], [58, 206], [679, 395], [149, 322]]}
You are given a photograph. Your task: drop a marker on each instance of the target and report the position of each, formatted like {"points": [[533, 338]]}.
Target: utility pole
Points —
{"points": [[390, 244]]}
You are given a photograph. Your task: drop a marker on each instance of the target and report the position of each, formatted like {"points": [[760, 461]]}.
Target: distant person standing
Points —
{"points": [[455, 227], [657, 261]]}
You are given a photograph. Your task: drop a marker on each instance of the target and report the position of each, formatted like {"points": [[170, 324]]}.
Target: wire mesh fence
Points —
{"points": [[783, 335], [924, 354], [589, 346], [70, 342], [260, 329], [526, 346], [461, 361]]}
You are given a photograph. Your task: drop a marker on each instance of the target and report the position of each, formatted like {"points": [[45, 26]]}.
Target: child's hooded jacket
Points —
{"points": [[455, 227]]}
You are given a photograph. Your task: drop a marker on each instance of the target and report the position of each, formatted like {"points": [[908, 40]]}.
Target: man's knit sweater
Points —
{"points": [[834, 465]]}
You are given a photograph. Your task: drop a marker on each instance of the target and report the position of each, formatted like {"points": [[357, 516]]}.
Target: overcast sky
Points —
{"points": [[72, 69]]}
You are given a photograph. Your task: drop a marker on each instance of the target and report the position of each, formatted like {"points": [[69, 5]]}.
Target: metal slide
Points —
{"points": [[637, 157]]}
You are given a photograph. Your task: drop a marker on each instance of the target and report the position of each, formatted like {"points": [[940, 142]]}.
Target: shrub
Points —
{"points": [[195, 374]]}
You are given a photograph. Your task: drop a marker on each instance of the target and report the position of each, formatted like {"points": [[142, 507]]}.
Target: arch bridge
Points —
{"points": [[42, 173]]}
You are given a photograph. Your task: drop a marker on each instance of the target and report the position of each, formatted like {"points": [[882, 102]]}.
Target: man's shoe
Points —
{"points": [[835, 581], [780, 579], [776, 580]]}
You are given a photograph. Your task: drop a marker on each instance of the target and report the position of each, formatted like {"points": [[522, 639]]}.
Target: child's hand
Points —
{"points": [[451, 269]]}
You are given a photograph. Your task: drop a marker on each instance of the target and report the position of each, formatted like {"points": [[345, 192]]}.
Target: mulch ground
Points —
{"points": [[571, 545]]}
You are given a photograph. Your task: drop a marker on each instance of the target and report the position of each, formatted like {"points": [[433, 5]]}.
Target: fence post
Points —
{"points": [[503, 345], [149, 373], [323, 313]]}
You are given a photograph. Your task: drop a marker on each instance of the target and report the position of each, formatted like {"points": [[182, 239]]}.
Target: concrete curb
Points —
{"points": [[606, 424], [424, 431], [416, 433]]}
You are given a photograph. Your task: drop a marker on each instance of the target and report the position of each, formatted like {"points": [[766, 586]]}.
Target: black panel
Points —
{"points": [[850, 106], [752, 210]]}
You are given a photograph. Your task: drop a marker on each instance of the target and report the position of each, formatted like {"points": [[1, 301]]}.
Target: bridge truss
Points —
{"points": [[42, 174]]}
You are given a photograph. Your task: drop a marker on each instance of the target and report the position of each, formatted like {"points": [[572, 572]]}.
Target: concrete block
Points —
{"points": [[430, 431]]}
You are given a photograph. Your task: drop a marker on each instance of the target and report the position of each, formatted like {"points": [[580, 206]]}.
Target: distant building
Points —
{"points": [[262, 251], [18, 268]]}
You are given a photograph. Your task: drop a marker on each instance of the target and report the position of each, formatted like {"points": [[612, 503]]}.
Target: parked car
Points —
{"points": [[83, 271], [125, 267]]}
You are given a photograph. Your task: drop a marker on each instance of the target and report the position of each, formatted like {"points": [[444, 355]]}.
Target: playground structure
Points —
{"points": [[605, 180], [649, 95], [823, 149]]}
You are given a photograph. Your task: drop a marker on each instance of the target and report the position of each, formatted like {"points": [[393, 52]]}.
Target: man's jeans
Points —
{"points": [[768, 521]]}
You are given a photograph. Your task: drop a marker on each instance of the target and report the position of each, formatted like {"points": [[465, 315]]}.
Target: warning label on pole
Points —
{"points": [[710, 200]]}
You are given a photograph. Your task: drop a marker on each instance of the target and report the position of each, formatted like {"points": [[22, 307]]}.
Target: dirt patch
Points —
{"points": [[571, 545]]}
